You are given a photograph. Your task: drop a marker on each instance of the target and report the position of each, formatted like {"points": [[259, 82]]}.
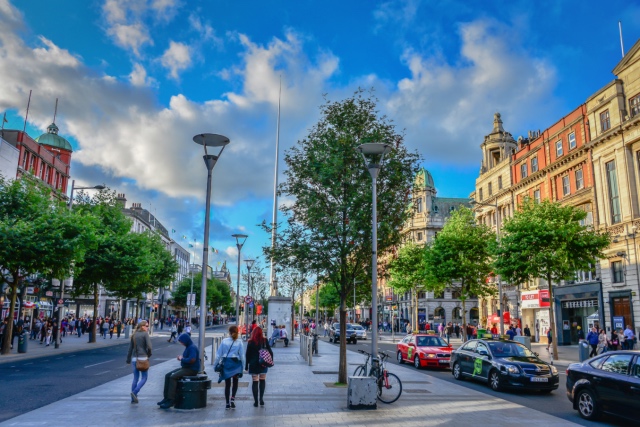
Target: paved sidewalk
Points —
{"points": [[296, 395]]}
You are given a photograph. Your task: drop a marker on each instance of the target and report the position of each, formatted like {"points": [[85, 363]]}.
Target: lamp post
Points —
{"points": [[373, 155], [216, 141], [246, 307], [74, 188], [239, 245], [498, 225]]}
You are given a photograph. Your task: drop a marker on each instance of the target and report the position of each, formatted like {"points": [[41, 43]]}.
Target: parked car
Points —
{"points": [[424, 350], [361, 332], [503, 364], [609, 383], [334, 333]]}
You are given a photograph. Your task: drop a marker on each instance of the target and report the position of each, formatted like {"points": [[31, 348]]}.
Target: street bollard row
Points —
{"points": [[306, 349]]}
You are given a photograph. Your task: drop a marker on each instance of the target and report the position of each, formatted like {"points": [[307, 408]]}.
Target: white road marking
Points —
{"points": [[96, 364]]}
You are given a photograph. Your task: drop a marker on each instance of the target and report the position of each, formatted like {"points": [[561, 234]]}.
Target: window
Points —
{"points": [[419, 236], [490, 189], [572, 140], [566, 188], [419, 204], [536, 196], [617, 363], [559, 148], [605, 121], [589, 218], [46, 174], [579, 180], [24, 160], [523, 170], [480, 194], [31, 162], [41, 173], [471, 346], [500, 183], [482, 348], [614, 196], [616, 272], [634, 105], [635, 369], [534, 164]]}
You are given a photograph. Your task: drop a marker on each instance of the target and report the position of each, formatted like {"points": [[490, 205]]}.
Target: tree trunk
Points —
{"points": [[8, 332], [342, 369], [552, 322], [464, 320], [95, 313], [414, 314], [135, 321]]}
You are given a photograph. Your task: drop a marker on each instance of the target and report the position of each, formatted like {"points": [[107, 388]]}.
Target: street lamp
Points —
{"points": [[498, 225], [74, 188], [216, 141], [373, 155], [250, 263], [239, 245]]}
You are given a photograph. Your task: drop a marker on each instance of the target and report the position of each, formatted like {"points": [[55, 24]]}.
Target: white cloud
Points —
{"points": [[138, 76], [130, 37], [206, 33], [176, 58]]}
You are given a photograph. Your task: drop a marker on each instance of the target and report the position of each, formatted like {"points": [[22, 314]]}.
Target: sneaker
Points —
{"points": [[262, 403], [166, 405], [228, 406], [162, 401], [255, 404], [233, 404], [134, 398]]}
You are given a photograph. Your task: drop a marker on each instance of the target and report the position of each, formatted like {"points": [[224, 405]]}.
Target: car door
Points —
{"points": [[464, 356], [404, 346], [411, 348], [632, 390], [482, 361], [609, 382]]}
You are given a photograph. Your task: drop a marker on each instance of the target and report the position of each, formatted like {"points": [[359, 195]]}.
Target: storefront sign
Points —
{"points": [[535, 299], [580, 303], [618, 322], [49, 293], [494, 318], [30, 289]]}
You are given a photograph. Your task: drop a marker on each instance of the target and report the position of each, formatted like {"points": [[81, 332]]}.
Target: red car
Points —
{"points": [[424, 350]]}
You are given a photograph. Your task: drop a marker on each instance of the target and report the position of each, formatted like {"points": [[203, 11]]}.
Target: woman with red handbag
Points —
{"points": [[258, 364]]}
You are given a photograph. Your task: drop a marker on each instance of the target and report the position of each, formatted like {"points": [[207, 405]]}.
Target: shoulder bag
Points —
{"points": [[141, 365], [264, 358], [220, 366]]}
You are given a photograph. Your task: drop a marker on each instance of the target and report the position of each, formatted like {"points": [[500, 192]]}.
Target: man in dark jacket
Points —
{"points": [[189, 366]]}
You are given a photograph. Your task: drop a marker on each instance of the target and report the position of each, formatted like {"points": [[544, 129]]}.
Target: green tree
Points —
{"points": [[218, 292], [546, 241], [460, 259], [37, 235], [329, 300], [407, 274], [328, 224]]}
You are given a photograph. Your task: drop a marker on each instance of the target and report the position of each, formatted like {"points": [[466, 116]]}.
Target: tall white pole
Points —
{"points": [[274, 220], [621, 42], [374, 269]]}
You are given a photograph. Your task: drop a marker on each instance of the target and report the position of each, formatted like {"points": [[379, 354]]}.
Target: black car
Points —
{"points": [[503, 364], [334, 334], [609, 383]]}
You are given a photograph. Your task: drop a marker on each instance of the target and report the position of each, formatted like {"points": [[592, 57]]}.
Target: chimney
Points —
{"points": [[121, 201]]}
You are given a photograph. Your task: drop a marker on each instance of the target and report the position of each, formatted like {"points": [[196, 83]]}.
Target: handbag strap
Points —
{"points": [[234, 341]]}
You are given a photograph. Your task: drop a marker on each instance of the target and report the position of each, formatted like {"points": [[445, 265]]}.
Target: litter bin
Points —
{"points": [[583, 351], [480, 333], [22, 342], [192, 392]]}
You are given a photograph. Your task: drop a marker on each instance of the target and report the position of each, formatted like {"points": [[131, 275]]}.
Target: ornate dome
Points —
{"points": [[424, 179], [52, 139]]}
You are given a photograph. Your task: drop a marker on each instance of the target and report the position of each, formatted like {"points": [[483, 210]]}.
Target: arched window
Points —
{"points": [[473, 315], [439, 314], [457, 315]]}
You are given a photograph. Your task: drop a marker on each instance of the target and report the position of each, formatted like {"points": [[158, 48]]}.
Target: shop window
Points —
{"points": [[634, 105], [605, 121], [572, 140], [617, 272], [614, 196], [534, 164], [579, 180]]}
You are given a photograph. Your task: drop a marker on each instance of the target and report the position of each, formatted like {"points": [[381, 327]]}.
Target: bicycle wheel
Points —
{"points": [[360, 371], [390, 390]]}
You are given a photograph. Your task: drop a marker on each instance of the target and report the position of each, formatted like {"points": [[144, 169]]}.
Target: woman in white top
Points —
{"points": [[231, 355]]}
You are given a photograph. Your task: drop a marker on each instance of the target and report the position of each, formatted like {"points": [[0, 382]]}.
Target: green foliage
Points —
{"points": [[407, 270], [329, 298], [328, 225], [546, 240], [460, 257], [218, 293]]}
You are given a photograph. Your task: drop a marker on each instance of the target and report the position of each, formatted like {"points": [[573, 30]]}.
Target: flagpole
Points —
{"points": [[274, 290]]}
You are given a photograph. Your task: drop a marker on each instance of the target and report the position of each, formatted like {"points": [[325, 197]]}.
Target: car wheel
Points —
{"points": [[587, 406], [494, 381], [457, 371], [399, 357], [416, 362]]}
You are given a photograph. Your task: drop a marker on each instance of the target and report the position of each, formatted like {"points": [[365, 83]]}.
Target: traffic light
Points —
{"points": [[155, 308]]}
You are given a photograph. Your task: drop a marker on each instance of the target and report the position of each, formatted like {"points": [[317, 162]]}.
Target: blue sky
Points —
{"points": [[136, 79]]}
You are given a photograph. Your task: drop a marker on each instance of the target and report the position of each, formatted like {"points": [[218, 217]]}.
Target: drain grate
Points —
{"points": [[415, 390], [325, 372]]}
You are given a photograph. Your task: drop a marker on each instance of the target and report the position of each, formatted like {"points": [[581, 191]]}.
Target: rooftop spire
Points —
{"points": [[497, 123]]}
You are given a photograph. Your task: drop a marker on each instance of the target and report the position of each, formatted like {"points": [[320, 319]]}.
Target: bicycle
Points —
{"points": [[389, 385]]}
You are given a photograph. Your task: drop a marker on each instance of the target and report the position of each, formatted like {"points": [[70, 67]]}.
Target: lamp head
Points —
{"points": [[211, 140], [250, 263], [100, 187], [240, 239]]}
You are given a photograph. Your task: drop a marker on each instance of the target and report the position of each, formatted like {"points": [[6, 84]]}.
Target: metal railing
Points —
{"points": [[306, 348], [215, 344]]}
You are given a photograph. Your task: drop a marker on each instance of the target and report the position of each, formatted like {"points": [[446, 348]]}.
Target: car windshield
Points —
{"points": [[356, 327], [336, 326], [509, 349], [431, 342]]}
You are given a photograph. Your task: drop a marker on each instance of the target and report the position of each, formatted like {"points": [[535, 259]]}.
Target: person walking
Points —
{"points": [[527, 331], [258, 372], [189, 366], [602, 342], [230, 355], [139, 350], [174, 331], [118, 328], [593, 339], [629, 338]]}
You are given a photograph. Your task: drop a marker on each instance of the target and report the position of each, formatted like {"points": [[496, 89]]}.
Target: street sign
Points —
{"points": [[191, 299], [60, 301], [248, 299]]}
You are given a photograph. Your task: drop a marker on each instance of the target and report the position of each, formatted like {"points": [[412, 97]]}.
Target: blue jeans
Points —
{"points": [[138, 382]]}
